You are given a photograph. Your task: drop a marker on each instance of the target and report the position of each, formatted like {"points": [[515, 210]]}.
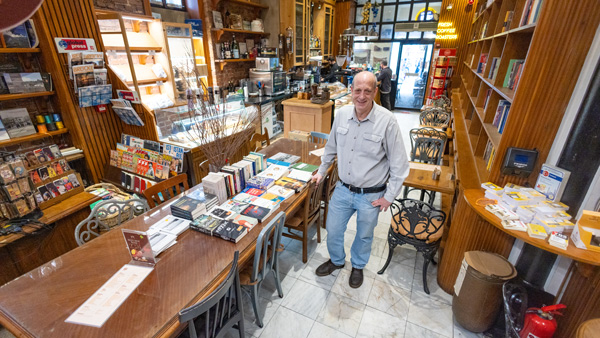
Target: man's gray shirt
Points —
{"points": [[370, 152]]}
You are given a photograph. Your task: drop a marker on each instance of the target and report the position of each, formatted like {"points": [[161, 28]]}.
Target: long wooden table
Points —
{"points": [[37, 303]]}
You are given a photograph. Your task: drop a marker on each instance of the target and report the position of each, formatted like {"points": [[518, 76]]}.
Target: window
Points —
{"points": [[169, 4], [403, 13]]}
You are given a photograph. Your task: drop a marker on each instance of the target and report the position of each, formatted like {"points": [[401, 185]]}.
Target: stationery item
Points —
{"points": [[46, 195], [558, 240], [51, 127], [6, 173], [536, 231], [42, 128], [40, 119]]}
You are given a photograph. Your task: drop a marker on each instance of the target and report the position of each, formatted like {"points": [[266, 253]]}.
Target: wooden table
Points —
{"points": [[420, 176], [37, 303]]}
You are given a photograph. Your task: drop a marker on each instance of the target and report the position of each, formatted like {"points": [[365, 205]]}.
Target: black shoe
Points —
{"points": [[356, 278], [327, 268]]}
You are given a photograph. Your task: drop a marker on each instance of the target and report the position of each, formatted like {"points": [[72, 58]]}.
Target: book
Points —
{"points": [[558, 240], [3, 133], [283, 157], [205, 224], [507, 21], [510, 71], [17, 122], [552, 181], [488, 94], [260, 182], [281, 191], [171, 225], [503, 119], [258, 212], [245, 221], [221, 213], [244, 198], [275, 172], [290, 183], [536, 231], [491, 186], [526, 12], [253, 191], [217, 19], [234, 206], [18, 83], [230, 231], [187, 208], [300, 175], [305, 167], [17, 37], [515, 225], [499, 111], [272, 197], [482, 62]]}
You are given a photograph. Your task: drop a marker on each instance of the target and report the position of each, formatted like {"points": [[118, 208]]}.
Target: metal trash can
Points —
{"points": [[478, 289]]}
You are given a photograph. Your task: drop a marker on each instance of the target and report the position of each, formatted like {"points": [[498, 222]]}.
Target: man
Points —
{"points": [[366, 139], [333, 68], [385, 77]]}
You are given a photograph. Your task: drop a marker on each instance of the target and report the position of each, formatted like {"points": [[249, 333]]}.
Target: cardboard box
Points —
{"points": [[586, 234], [299, 135]]}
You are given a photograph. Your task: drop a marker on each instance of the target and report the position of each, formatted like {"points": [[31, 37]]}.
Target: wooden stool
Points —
{"points": [[589, 328]]}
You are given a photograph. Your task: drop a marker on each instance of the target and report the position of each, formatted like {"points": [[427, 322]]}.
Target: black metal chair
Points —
{"points": [[418, 224], [220, 311], [266, 261], [515, 305], [427, 146], [435, 117]]}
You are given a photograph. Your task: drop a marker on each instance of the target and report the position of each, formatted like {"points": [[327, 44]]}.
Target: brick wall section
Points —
{"points": [[234, 72], [127, 6]]}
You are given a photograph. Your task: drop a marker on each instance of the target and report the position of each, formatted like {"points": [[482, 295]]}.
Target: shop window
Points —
{"points": [[403, 13], [414, 35], [387, 32], [399, 35], [388, 13], [169, 4], [429, 35]]}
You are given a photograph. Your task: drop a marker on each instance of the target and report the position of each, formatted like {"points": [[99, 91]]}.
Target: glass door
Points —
{"points": [[411, 72]]}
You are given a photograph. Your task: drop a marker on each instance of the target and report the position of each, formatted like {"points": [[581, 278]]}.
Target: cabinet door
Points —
{"points": [[299, 28], [327, 32]]}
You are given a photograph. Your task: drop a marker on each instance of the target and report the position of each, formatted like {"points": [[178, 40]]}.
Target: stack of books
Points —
{"points": [[213, 183], [291, 184], [170, 224], [275, 172], [492, 191], [501, 212], [283, 159], [188, 208], [536, 231], [514, 225], [221, 228], [558, 240], [260, 182], [512, 200]]}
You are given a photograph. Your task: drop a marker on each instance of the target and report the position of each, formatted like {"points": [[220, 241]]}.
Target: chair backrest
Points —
{"points": [[417, 220], [257, 140], [435, 118], [515, 305], [318, 138], [312, 206], [165, 190], [263, 257], [442, 101], [331, 182], [220, 310], [427, 145], [108, 214]]}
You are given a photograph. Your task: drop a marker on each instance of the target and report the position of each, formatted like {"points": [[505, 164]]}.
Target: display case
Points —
{"points": [[182, 60]]}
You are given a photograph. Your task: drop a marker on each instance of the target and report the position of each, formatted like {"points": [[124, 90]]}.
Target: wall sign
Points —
{"points": [[65, 45], [445, 31]]}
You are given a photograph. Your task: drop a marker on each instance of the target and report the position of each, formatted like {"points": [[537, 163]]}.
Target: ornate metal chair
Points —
{"points": [[330, 182], [434, 118], [165, 190], [106, 215], [515, 305], [303, 218], [427, 147], [220, 311], [266, 261], [442, 102], [418, 224], [318, 138]]}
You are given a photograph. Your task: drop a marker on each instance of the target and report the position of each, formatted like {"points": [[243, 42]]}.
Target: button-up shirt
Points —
{"points": [[370, 152]]}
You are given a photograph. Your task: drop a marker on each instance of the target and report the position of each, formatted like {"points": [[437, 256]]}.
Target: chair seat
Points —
{"points": [[420, 229], [293, 222], [246, 272]]}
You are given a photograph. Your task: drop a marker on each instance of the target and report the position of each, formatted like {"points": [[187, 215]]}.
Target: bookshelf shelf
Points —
{"points": [[33, 137], [6, 97], [20, 50], [244, 3]]}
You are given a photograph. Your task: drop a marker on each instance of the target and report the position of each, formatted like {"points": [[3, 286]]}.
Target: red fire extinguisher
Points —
{"points": [[540, 323]]}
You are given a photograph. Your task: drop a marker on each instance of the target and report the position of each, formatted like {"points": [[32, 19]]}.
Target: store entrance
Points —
{"points": [[411, 71]]}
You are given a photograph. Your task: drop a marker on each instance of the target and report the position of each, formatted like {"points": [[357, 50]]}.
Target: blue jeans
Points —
{"points": [[342, 206]]}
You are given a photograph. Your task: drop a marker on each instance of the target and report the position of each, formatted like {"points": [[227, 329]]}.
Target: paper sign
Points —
{"points": [[65, 45], [176, 152], [130, 95]]}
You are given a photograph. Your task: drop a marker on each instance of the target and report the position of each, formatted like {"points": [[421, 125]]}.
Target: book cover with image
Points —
{"points": [[46, 195], [17, 122], [41, 157], [73, 179], [3, 132], [43, 173], [68, 185], [60, 186], [19, 83], [52, 189], [17, 37]]}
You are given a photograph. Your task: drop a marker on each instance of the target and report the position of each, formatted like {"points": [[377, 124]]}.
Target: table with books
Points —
{"points": [[191, 266]]}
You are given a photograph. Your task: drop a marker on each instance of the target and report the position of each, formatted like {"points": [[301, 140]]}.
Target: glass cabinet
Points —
{"points": [[328, 31]]}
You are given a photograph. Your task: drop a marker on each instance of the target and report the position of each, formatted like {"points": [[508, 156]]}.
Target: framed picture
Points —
{"points": [[217, 19]]}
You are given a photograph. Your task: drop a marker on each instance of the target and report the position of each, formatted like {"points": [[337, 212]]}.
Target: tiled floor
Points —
{"points": [[388, 305]]}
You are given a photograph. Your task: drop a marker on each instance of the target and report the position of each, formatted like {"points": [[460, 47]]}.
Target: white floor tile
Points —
{"points": [[309, 274], [389, 299], [323, 331], [268, 290], [370, 270], [289, 324], [290, 263], [398, 275], [430, 314], [435, 291], [378, 324], [342, 314], [267, 310], [342, 287], [415, 331], [306, 299]]}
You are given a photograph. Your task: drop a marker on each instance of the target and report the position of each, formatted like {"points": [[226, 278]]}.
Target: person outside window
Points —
{"points": [[385, 77]]}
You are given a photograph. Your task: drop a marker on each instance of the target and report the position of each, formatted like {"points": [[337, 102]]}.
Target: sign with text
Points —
{"points": [[130, 95], [65, 45]]}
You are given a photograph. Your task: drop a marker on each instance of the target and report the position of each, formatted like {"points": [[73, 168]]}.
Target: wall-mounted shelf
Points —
{"points": [[33, 137], [20, 50], [148, 81], [220, 32], [244, 3], [6, 97], [222, 63]]}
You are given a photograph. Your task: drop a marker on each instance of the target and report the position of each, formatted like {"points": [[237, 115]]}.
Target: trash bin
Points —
{"points": [[478, 289]]}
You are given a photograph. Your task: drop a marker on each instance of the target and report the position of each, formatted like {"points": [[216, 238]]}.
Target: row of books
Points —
{"points": [[494, 68], [488, 154], [482, 62], [531, 12], [513, 73], [508, 17], [501, 115], [135, 183]]}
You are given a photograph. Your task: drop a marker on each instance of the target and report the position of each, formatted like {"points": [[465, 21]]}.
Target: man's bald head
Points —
{"points": [[365, 77]]}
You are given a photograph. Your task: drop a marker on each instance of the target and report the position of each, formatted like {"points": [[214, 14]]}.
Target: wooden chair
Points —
{"points": [[330, 183], [318, 138], [165, 190], [266, 261], [418, 224], [106, 215], [220, 311], [309, 213], [256, 142]]}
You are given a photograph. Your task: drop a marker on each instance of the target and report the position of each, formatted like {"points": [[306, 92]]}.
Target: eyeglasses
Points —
{"points": [[361, 91]]}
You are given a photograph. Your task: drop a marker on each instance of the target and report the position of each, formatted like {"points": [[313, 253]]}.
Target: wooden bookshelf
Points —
{"points": [[242, 2], [6, 97], [33, 137], [19, 50]]}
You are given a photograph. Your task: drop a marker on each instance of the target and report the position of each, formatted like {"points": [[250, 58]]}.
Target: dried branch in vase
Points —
{"points": [[218, 128]]}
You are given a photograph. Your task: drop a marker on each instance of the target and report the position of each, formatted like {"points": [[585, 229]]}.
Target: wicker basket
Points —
{"points": [[112, 219]]}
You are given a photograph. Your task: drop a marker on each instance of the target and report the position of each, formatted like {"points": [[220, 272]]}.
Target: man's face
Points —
{"points": [[363, 94]]}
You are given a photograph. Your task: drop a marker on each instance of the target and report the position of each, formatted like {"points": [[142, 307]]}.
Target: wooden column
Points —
{"points": [[344, 15]]}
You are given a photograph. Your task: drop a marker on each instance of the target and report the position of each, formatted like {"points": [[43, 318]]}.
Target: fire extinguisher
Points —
{"points": [[540, 323]]}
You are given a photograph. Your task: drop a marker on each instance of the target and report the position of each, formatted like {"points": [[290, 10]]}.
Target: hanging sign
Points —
{"points": [[130, 95], [65, 45]]}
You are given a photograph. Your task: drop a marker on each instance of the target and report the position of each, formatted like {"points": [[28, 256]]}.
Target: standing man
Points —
{"points": [[333, 68], [366, 139], [385, 77]]}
